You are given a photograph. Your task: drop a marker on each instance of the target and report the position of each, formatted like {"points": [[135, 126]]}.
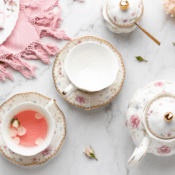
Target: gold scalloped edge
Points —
{"points": [[64, 136], [95, 38], [129, 25]]}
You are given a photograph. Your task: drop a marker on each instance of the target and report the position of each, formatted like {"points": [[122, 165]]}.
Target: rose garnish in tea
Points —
{"points": [[28, 128]]}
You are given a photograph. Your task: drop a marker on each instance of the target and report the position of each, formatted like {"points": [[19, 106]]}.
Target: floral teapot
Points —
{"points": [[150, 119]]}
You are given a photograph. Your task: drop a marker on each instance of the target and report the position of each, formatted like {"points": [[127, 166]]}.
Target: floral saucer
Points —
{"points": [[58, 138], [83, 99], [11, 12]]}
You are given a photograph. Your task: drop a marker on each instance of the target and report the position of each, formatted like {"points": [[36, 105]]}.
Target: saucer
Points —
{"points": [[11, 13], [80, 98], [59, 134]]}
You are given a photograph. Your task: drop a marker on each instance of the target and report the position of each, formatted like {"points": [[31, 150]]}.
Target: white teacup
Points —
{"points": [[90, 67], [28, 151]]}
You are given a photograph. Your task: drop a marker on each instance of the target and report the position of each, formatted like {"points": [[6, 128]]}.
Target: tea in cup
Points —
{"points": [[28, 128]]}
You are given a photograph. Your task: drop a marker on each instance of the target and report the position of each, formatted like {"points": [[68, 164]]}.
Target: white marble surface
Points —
{"points": [[104, 128]]}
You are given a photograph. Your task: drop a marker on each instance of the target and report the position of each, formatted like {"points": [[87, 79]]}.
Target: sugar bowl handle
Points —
{"points": [[139, 153]]}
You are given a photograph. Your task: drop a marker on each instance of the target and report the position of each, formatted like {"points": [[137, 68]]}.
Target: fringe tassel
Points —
{"points": [[26, 69], [47, 23], [40, 51], [59, 34], [5, 74], [56, 22], [49, 19], [2, 77]]}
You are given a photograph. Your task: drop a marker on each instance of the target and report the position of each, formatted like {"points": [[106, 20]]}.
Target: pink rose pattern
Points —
{"points": [[80, 99], [115, 19], [125, 20], [159, 84], [134, 121], [47, 151], [169, 134], [163, 150], [132, 14]]}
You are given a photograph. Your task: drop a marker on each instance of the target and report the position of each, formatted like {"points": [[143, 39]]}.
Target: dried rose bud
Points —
{"points": [[89, 152], [15, 123]]}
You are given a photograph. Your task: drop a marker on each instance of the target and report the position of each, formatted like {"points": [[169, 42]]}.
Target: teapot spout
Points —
{"points": [[139, 152]]}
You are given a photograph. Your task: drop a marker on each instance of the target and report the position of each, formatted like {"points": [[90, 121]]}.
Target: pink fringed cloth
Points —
{"points": [[36, 20]]}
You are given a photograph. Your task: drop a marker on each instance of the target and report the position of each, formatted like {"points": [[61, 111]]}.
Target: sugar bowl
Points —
{"points": [[123, 16]]}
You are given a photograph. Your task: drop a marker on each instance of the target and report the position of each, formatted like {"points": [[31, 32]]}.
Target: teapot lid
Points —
{"points": [[124, 13], [160, 116]]}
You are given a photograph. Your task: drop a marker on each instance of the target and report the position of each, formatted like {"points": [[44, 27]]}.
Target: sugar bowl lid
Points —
{"points": [[124, 13], [160, 116]]}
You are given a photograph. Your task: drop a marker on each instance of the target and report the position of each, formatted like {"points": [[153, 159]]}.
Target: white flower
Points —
{"points": [[13, 132], [39, 141], [16, 140], [21, 131], [38, 116]]}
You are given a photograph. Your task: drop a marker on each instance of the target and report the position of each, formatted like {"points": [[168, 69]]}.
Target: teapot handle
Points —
{"points": [[139, 153]]}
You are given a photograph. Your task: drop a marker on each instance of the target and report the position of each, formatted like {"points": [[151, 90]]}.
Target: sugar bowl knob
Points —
{"points": [[124, 4], [168, 116]]}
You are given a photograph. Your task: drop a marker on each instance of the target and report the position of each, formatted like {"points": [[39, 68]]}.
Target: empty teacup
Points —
{"points": [[90, 67]]}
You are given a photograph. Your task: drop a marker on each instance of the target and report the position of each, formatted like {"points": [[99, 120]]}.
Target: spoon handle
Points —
{"points": [[148, 34]]}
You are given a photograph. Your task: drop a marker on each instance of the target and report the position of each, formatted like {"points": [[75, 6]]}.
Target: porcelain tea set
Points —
{"points": [[85, 70]]}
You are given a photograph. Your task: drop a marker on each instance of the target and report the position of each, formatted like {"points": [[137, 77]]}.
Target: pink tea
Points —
{"points": [[29, 128]]}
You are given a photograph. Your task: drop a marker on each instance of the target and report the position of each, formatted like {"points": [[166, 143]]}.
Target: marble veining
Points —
{"points": [[103, 128]]}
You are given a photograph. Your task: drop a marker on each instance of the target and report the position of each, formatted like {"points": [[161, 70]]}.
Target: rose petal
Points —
{"points": [[39, 141], [13, 132], [15, 124], [16, 140], [21, 131], [38, 116]]}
